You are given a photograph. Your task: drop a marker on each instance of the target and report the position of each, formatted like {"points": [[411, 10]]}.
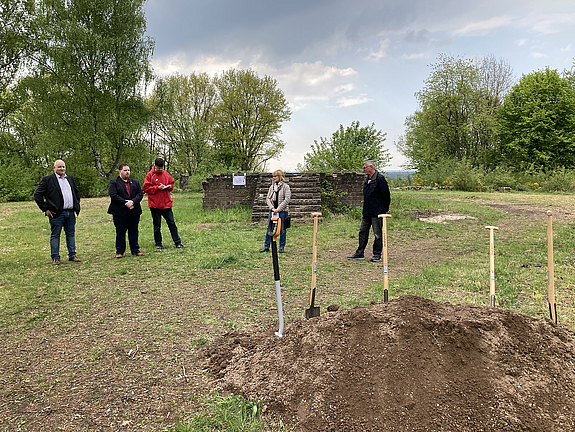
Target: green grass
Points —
{"points": [[226, 413], [220, 282]]}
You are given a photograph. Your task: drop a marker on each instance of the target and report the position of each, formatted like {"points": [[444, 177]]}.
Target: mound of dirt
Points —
{"points": [[407, 365]]}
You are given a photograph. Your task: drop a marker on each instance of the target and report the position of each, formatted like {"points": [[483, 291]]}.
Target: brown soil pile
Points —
{"points": [[408, 365]]}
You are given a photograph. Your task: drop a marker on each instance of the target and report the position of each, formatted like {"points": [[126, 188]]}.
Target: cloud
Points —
{"points": [[179, 63], [522, 42], [482, 27], [382, 52], [567, 48], [537, 55], [352, 101], [415, 56], [552, 23], [420, 37], [536, 21], [302, 83]]}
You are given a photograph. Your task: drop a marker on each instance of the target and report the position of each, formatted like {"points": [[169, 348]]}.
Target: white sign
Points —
{"points": [[239, 180]]}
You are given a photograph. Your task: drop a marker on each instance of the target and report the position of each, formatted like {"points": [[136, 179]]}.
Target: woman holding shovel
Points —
{"points": [[278, 198]]}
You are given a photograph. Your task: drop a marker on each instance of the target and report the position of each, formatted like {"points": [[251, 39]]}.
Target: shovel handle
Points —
{"points": [[383, 218], [491, 264], [550, 269], [316, 216], [278, 221]]}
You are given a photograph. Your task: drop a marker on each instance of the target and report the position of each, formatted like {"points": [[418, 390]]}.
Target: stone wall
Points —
{"points": [[350, 183], [219, 191]]}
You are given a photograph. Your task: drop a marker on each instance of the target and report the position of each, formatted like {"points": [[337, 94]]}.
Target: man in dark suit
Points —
{"points": [[376, 200], [59, 198], [125, 208]]}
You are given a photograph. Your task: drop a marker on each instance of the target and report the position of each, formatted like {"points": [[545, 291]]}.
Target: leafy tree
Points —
{"points": [[248, 119], [183, 109], [537, 121], [14, 37], [15, 41], [347, 149], [456, 118], [91, 61]]}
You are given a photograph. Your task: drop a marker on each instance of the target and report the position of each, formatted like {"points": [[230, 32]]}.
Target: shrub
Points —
{"points": [[500, 177], [465, 177], [331, 199], [438, 174], [559, 180], [17, 183]]}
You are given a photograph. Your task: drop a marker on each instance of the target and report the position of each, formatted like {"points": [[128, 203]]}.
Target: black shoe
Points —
{"points": [[179, 246], [281, 250], [160, 247], [265, 250], [356, 256], [375, 258]]}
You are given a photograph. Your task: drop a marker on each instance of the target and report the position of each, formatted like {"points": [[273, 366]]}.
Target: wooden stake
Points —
{"points": [[384, 254], [491, 264], [550, 268], [313, 310]]}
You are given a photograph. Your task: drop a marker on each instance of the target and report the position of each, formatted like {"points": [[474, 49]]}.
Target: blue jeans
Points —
{"points": [[268, 240], [368, 222], [157, 220], [127, 223], [66, 220]]}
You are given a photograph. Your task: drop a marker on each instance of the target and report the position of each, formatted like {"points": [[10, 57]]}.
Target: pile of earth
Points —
{"points": [[407, 365]]}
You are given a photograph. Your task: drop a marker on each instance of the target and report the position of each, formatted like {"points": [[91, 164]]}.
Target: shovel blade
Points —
{"points": [[312, 312]]}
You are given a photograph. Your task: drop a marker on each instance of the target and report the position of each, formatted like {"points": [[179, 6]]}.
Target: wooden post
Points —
{"points": [[491, 264], [550, 268], [384, 254]]}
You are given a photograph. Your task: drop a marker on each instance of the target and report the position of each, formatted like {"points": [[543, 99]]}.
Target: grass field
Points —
{"points": [[110, 344]]}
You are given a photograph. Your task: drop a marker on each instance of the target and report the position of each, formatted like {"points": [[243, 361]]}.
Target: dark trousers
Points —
{"points": [[127, 223], [66, 220], [368, 222], [169, 217]]}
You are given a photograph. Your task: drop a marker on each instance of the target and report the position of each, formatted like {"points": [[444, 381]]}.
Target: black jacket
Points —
{"points": [[48, 194], [376, 197], [119, 195]]}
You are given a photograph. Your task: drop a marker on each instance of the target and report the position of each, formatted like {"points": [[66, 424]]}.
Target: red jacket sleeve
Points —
{"points": [[148, 187]]}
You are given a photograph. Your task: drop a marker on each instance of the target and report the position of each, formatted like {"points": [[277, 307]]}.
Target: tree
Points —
{"points": [[14, 37], [248, 119], [183, 109], [15, 41], [91, 63], [347, 149], [537, 121], [456, 118]]}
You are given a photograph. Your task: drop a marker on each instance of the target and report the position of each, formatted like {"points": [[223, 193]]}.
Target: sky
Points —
{"points": [[358, 60]]}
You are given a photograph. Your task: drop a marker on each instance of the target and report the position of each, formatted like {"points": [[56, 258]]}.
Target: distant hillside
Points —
{"points": [[394, 173]]}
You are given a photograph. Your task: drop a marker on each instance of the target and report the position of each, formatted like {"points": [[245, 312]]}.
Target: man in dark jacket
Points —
{"points": [[376, 199], [125, 194], [59, 198]]}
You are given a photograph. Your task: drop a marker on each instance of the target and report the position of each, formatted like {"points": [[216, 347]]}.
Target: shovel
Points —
{"points": [[274, 229], [491, 265], [550, 267], [383, 218], [313, 311]]}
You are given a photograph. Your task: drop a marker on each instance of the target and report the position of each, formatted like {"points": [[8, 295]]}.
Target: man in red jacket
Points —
{"points": [[157, 185]]}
